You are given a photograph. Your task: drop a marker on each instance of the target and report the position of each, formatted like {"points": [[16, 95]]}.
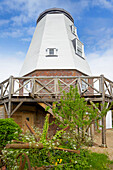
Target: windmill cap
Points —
{"points": [[55, 11]]}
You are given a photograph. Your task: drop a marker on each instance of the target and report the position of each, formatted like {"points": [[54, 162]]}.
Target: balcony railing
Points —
{"points": [[53, 87]]}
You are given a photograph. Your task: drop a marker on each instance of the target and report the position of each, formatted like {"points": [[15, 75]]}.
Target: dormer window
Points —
{"points": [[74, 30], [79, 50], [78, 47], [51, 52]]}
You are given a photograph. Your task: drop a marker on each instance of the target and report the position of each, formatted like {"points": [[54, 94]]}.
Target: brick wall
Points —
{"points": [[55, 73]]}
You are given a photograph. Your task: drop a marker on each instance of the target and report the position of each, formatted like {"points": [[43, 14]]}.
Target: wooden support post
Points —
{"points": [[104, 118], [10, 93], [92, 132]]}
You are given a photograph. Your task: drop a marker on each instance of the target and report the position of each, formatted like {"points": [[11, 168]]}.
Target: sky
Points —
{"points": [[93, 19]]}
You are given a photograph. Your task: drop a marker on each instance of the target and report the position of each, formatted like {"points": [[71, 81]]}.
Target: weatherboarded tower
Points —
{"points": [[55, 49]]}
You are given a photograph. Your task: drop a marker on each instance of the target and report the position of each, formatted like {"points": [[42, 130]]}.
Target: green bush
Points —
{"points": [[9, 130]]}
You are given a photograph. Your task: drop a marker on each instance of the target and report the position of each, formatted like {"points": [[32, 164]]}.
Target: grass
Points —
{"points": [[99, 161]]}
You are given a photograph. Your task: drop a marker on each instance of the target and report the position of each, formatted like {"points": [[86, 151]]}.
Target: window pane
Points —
{"points": [[51, 51]]}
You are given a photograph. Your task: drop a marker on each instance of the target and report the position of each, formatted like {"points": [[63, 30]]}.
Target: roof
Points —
{"points": [[55, 11]]}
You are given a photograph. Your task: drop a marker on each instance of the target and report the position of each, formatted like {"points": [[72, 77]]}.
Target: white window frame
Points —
{"points": [[79, 50], [51, 52], [74, 30]]}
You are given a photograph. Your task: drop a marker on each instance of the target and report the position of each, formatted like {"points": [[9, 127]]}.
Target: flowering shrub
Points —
{"points": [[59, 160], [47, 155]]}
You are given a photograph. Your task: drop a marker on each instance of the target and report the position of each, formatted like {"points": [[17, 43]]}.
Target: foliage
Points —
{"points": [[9, 130], [73, 111], [58, 159], [45, 130], [47, 156]]}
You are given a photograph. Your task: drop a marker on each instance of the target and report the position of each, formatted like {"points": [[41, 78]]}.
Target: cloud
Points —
{"points": [[29, 10], [18, 32], [13, 33], [30, 30], [10, 65], [4, 22], [9, 68], [19, 20], [26, 39], [108, 4], [97, 34], [102, 63]]}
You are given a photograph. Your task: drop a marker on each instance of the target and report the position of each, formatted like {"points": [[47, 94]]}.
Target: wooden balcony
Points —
{"points": [[44, 90]]}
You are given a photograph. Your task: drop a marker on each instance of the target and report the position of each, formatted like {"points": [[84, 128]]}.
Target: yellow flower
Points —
{"points": [[55, 163], [57, 160], [60, 160]]}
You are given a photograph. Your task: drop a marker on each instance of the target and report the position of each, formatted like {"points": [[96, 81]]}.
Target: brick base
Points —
{"points": [[55, 73]]}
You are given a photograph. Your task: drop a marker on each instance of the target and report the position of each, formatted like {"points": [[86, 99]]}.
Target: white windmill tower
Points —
{"points": [[55, 48]]}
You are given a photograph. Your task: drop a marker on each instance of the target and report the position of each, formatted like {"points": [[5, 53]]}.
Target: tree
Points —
{"points": [[73, 111]]}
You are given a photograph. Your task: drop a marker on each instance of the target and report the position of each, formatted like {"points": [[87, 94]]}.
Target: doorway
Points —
{"points": [[29, 117]]}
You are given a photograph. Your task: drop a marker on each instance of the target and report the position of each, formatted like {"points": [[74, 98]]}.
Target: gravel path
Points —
{"points": [[109, 139]]}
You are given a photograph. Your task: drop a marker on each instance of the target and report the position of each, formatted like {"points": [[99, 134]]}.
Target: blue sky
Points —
{"points": [[93, 19]]}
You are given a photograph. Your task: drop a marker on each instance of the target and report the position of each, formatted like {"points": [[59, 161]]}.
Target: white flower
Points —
{"points": [[53, 144], [57, 143], [75, 162]]}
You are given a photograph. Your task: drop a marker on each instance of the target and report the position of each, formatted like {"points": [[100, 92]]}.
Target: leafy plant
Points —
{"points": [[9, 130], [72, 110]]}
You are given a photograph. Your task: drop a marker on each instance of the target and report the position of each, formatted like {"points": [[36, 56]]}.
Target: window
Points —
{"points": [[78, 47], [84, 85], [74, 30], [51, 52], [27, 118], [26, 86]]}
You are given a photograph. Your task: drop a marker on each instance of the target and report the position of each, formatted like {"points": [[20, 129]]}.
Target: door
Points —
{"points": [[29, 117]]}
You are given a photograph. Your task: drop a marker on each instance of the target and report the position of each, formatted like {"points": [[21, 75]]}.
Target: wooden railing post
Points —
{"points": [[1, 89], [104, 118], [79, 85], [10, 93], [111, 89], [33, 86], [56, 87]]}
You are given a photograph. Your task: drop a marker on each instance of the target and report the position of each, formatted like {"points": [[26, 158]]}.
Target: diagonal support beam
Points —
{"points": [[16, 108], [6, 108]]}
